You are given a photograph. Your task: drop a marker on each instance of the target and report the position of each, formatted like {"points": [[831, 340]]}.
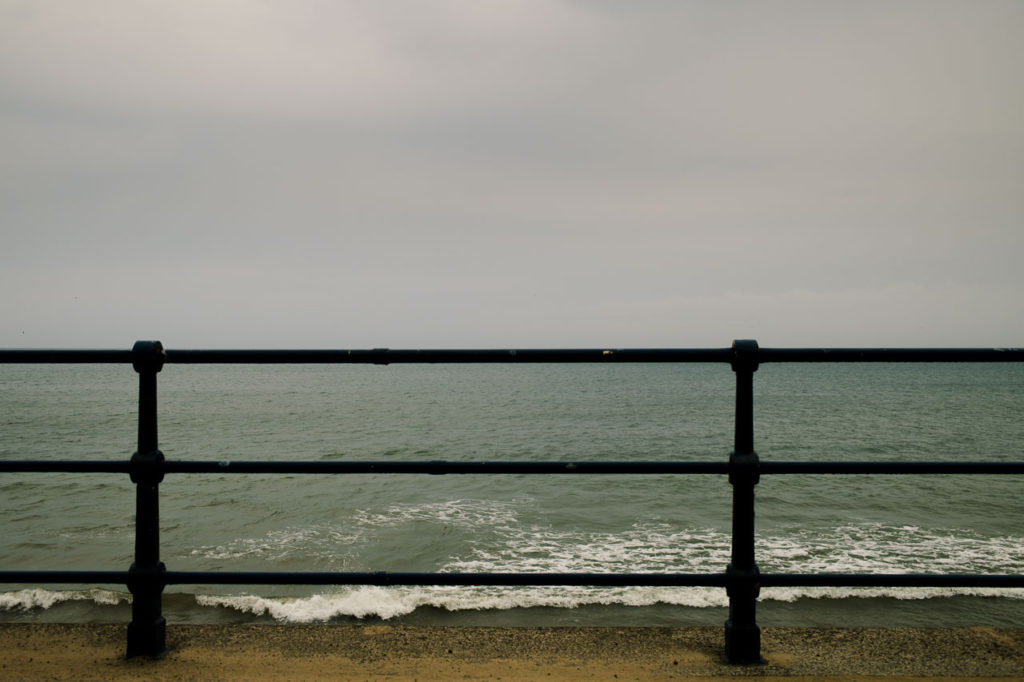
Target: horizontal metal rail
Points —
{"points": [[61, 356], [441, 468], [986, 580], [386, 356], [380, 578], [901, 355], [383, 467], [380, 356], [768, 467], [387, 578]]}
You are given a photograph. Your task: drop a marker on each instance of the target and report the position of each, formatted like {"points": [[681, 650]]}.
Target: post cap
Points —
{"points": [[744, 353], [148, 356]]}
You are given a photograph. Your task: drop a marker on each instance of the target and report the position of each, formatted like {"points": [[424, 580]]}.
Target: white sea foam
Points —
{"points": [[654, 547], [391, 602], [363, 602], [465, 513], [501, 544], [386, 603], [649, 548], [791, 594], [283, 543], [37, 598], [880, 548], [331, 542]]}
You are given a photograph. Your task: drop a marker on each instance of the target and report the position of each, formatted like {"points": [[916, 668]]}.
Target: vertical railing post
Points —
{"points": [[147, 630], [742, 635]]}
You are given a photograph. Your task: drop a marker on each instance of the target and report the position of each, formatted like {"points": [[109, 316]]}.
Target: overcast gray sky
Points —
{"points": [[306, 173]]}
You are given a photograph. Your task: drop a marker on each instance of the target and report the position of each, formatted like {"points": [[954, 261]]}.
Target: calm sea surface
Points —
{"points": [[940, 524]]}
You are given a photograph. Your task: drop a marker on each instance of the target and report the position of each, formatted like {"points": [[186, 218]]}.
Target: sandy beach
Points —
{"points": [[407, 653]]}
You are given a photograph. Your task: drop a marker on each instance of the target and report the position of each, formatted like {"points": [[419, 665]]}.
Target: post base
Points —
{"points": [[742, 644], [147, 639]]}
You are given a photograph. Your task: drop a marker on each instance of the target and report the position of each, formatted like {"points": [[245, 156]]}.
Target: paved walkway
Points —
{"points": [[406, 653]]}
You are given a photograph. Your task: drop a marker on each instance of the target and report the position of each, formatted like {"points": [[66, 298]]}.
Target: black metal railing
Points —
{"points": [[147, 577]]}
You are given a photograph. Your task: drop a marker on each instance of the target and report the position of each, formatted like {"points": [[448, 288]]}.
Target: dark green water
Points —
{"points": [[941, 524]]}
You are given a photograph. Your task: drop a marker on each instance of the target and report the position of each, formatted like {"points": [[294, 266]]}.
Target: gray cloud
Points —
{"points": [[360, 174]]}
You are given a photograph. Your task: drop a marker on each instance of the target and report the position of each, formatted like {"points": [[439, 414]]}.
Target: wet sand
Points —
{"points": [[407, 653]]}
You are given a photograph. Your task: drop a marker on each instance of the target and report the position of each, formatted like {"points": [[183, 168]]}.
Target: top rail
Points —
{"points": [[890, 355], [62, 356], [386, 356]]}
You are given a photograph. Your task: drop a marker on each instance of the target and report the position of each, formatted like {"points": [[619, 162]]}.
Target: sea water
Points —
{"points": [[518, 523]]}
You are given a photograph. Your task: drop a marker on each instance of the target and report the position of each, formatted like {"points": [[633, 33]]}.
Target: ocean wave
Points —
{"points": [[500, 543], [391, 602], [38, 598], [502, 536], [388, 603]]}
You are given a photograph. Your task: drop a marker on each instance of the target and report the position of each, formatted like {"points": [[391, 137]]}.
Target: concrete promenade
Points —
{"points": [[407, 653]]}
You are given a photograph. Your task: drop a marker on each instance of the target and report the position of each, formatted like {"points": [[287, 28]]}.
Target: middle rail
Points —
{"points": [[442, 467]]}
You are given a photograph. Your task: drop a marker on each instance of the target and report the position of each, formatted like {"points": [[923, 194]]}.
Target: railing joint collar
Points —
{"points": [[148, 356], [744, 355], [744, 466], [146, 577], [743, 581], [147, 467]]}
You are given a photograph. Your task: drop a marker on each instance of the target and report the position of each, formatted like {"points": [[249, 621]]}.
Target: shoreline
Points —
{"points": [[404, 653], [35, 605]]}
